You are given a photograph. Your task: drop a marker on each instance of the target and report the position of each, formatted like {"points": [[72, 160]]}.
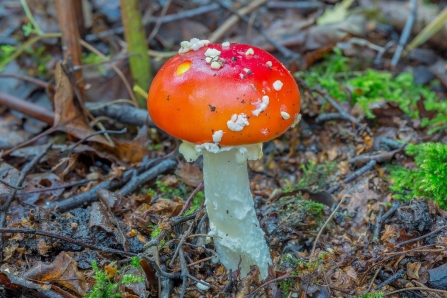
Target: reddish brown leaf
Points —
{"points": [[190, 174], [133, 151], [68, 117], [63, 271]]}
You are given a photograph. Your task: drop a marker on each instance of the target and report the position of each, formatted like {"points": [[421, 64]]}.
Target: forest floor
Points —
{"points": [[97, 202]]}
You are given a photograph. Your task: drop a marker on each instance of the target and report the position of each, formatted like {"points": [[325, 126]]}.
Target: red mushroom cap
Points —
{"points": [[242, 96]]}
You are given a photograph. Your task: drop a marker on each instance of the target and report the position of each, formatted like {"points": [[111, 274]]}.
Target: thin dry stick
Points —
{"points": [[159, 19], [23, 173], [67, 239], [231, 21], [191, 197], [285, 276], [422, 237], [35, 81], [322, 229], [373, 279], [115, 68], [405, 33], [415, 289]]}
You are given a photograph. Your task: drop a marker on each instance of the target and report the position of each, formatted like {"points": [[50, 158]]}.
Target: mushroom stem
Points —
{"points": [[237, 234]]}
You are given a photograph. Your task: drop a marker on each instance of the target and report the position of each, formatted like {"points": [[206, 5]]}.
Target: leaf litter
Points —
{"points": [[374, 244]]}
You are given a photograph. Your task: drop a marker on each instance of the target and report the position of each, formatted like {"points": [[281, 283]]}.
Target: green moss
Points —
{"points": [[365, 87], [370, 295], [135, 262], [162, 188], [314, 176], [197, 201], [288, 284], [155, 232], [427, 179], [105, 287]]}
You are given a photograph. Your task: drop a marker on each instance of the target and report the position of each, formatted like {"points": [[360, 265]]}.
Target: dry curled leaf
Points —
{"points": [[43, 248], [63, 271], [413, 270], [68, 117]]}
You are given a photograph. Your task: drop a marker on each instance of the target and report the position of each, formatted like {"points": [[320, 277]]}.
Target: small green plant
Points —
{"points": [[197, 201], [163, 189], [5, 52], [371, 295], [40, 59], [287, 285], [427, 179], [135, 262], [155, 232], [92, 58], [314, 176], [365, 87], [105, 287]]}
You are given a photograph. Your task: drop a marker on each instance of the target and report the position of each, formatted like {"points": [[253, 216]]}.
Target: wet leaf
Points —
{"points": [[413, 270], [68, 116], [10, 135], [190, 174], [335, 15], [34, 183], [133, 151], [63, 271], [8, 174], [166, 208]]}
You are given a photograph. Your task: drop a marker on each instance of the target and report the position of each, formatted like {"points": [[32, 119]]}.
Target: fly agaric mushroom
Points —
{"points": [[223, 102]]}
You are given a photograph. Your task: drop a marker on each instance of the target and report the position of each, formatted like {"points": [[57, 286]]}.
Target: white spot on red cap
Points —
{"points": [[194, 44], [237, 122], [217, 136], [285, 115], [261, 105], [277, 85]]}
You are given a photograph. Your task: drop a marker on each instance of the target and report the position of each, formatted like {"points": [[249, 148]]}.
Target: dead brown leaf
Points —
{"points": [[133, 151], [68, 117], [10, 135], [391, 233], [190, 174], [167, 208], [413, 270], [36, 182], [63, 271]]}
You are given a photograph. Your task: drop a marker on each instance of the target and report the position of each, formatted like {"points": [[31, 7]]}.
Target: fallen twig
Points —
{"points": [[10, 185], [399, 274], [331, 116], [405, 33], [155, 167], [354, 175], [23, 173], [33, 80], [122, 113], [314, 246], [381, 157], [282, 49], [137, 181], [41, 290], [67, 239], [27, 108], [191, 197], [378, 224], [285, 276], [422, 237], [415, 289], [165, 19]]}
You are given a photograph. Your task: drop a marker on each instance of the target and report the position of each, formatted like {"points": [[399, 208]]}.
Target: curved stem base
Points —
{"points": [[237, 235]]}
